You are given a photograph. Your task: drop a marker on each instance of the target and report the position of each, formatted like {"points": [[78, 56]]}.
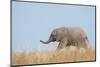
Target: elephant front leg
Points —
{"points": [[62, 44]]}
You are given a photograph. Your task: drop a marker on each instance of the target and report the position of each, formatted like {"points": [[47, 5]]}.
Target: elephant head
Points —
{"points": [[52, 38], [56, 35]]}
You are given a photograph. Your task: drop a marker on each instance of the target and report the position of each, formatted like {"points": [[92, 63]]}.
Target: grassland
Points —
{"points": [[52, 56]]}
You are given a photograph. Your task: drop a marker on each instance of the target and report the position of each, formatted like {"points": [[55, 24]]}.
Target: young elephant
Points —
{"points": [[67, 36]]}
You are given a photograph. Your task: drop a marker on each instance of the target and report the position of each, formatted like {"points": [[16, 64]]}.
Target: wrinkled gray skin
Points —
{"points": [[67, 36]]}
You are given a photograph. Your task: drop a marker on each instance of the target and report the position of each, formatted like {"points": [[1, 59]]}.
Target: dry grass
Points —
{"points": [[52, 56]]}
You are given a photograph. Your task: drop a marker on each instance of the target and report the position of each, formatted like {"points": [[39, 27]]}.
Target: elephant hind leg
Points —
{"points": [[85, 44]]}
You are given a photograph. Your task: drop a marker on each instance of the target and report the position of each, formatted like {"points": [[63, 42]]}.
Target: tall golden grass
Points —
{"points": [[52, 56]]}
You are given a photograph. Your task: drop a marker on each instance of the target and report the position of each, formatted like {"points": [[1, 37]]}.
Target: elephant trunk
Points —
{"points": [[48, 41], [45, 42]]}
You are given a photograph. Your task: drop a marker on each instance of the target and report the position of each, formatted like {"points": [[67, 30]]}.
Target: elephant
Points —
{"points": [[67, 36]]}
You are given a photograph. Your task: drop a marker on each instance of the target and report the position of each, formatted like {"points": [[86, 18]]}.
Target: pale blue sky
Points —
{"points": [[32, 22]]}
